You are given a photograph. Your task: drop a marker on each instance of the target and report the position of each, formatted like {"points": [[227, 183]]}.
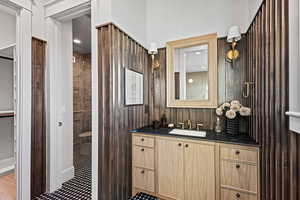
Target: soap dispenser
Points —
{"points": [[163, 121], [218, 128]]}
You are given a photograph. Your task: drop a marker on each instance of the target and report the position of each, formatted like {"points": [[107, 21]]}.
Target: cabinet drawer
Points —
{"points": [[232, 195], [143, 157], [239, 175], [143, 141], [143, 179], [239, 154]]}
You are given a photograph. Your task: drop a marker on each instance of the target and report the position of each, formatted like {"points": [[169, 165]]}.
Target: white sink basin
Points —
{"points": [[188, 133]]}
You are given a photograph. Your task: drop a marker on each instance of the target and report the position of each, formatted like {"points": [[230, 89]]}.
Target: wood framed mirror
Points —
{"points": [[192, 74]]}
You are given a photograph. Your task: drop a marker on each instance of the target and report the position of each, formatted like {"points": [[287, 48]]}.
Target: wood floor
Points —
{"points": [[8, 187]]}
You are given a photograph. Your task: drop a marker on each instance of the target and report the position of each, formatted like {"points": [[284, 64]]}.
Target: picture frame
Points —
{"points": [[134, 88]]}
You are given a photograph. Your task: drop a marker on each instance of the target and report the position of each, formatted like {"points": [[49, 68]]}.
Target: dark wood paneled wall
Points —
{"points": [[117, 51], [230, 80], [267, 47], [38, 137]]}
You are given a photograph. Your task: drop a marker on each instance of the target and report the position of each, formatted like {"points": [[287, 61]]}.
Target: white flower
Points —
{"points": [[235, 102], [219, 111], [225, 105], [230, 114], [245, 111], [235, 107]]}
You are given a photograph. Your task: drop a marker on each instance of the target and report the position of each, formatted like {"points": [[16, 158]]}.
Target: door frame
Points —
{"points": [[23, 95], [54, 16]]}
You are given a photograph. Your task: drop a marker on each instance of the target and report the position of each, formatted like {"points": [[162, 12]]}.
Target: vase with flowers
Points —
{"points": [[232, 112]]}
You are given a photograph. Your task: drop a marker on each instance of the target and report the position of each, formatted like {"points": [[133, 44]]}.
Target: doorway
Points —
{"points": [[69, 101]]}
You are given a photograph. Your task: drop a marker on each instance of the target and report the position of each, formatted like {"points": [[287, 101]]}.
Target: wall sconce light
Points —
{"points": [[234, 35], [153, 51]]}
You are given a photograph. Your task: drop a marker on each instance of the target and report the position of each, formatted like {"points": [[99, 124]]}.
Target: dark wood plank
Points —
{"points": [[267, 48], [38, 134], [284, 97], [117, 52]]}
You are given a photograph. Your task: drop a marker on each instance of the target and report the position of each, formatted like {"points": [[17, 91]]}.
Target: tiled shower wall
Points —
{"points": [[82, 109]]}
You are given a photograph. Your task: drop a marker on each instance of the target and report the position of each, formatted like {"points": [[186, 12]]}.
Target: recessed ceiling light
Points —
{"points": [[77, 41]]}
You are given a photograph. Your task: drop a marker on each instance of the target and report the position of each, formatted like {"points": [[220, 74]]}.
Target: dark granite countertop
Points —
{"points": [[241, 139]]}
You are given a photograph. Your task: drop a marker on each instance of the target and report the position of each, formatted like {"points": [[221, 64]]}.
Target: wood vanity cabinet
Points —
{"points": [[239, 172], [184, 169], [170, 161], [199, 171]]}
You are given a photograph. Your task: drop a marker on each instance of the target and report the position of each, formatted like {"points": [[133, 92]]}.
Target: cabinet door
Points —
{"points": [[199, 171], [170, 169], [143, 179]]}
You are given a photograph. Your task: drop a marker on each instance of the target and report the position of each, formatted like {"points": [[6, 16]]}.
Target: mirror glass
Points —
{"points": [[191, 72]]}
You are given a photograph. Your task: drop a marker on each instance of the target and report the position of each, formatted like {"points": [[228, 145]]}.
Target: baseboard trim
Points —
{"points": [[7, 165], [67, 174]]}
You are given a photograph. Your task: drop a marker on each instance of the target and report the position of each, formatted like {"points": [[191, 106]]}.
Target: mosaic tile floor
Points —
{"points": [[143, 196], [79, 188]]}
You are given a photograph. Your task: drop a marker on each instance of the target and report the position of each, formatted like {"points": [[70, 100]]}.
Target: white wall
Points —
{"points": [[176, 19], [294, 68], [6, 85], [130, 15], [253, 6], [38, 21], [103, 14], [6, 138], [161, 21], [7, 30]]}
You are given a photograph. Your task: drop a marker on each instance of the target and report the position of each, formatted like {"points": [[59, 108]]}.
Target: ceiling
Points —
{"points": [[82, 31]]}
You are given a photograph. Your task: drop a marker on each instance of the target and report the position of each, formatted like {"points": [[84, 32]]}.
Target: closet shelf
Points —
{"points": [[10, 113]]}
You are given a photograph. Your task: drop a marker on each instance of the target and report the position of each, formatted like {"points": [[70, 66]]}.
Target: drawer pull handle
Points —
{"points": [[237, 166], [142, 139], [143, 172], [186, 145], [179, 144], [237, 152], [238, 195], [142, 150]]}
